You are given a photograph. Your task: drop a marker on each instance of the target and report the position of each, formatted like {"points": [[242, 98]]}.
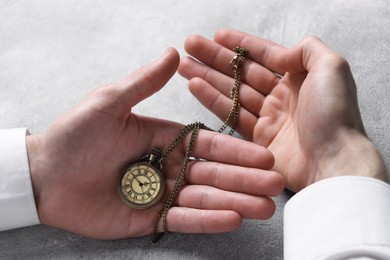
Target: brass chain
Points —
{"points": [[236, 64], [183, 133], [194, 128]]}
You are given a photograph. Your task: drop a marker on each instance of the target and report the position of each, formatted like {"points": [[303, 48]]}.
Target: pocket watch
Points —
{"points": [[142, 183]]}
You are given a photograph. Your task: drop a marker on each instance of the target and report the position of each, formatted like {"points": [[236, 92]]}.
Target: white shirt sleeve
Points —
{"points": [[17, 204], [339, 218]]}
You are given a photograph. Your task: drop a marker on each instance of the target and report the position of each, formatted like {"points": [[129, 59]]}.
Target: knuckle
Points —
{"points": [[335, 60], [105, 90], [329, 57], [340, 61], [312, 39]]}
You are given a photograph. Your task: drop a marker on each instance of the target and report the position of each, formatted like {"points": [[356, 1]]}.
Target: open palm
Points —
{"points": [[299, 102]]}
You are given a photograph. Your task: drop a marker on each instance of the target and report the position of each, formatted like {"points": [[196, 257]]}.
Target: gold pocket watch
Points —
{"points": [[142, 183]]}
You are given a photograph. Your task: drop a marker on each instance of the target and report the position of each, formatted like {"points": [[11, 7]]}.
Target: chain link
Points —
{"points": [[195, 127], [236, 64], [232, 119], [183, 133]]}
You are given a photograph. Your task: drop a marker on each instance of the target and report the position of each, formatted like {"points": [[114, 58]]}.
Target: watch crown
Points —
{"points": [[154, 157]]}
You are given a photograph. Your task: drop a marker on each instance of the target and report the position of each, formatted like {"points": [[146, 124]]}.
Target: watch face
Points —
{"points": [[142, 185]]}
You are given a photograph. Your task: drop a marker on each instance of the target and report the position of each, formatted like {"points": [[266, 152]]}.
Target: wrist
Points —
{"points": [[33, 144], [352, 154]]}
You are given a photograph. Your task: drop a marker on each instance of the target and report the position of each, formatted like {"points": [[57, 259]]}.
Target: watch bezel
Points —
{"points": [[155, 200]]}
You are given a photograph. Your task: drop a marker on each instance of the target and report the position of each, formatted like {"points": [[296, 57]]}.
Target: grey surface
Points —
{"points": [[52, 53]]}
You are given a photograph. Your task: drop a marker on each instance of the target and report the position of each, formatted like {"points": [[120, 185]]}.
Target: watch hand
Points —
{"points": [[135, 177]]}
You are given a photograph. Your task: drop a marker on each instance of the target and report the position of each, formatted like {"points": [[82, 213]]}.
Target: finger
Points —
{"points": [[210, 198], [145, 81], [277, 58], [308, 53], [189, 220], [249, 98], [220, 105], [235, 178], [218, 147], [218, 57], [264, 52]]}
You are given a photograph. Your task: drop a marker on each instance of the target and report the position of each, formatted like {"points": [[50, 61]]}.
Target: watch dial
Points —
{"points": [[142, 185]]}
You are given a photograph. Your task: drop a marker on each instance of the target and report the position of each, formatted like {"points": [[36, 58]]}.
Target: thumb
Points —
{"points": [[307, 54], [147, 80]]}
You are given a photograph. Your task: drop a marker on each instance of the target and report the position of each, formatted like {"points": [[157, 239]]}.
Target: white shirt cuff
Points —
{"points": [[17, 202], [339, 218]]}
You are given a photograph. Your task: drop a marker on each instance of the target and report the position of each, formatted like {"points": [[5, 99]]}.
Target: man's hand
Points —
{"points": [[301, 103], [76, 166]]}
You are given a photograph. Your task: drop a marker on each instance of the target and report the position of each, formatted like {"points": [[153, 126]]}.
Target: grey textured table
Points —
{"points": [[52, 53]]}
